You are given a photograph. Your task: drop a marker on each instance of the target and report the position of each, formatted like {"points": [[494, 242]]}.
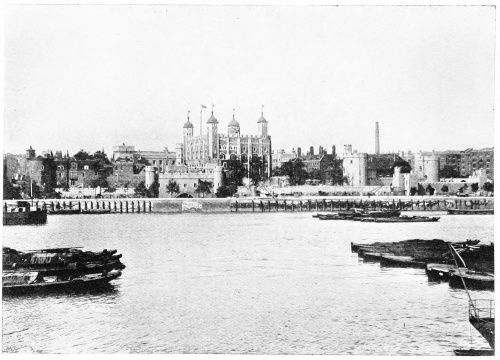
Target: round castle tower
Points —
{"points": [[149, 176], [355, 166], [218, 178], [427, 167]]}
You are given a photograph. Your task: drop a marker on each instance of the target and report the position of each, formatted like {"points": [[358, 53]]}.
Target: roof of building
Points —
{"points": [[262, 119], [212, 120], [188, 124], [233, 123]]}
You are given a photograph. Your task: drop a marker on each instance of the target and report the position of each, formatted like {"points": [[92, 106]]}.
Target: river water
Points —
{"points": [[272, 283]]}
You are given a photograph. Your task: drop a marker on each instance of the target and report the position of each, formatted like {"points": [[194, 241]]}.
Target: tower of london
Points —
{"points": [[218, 146]]}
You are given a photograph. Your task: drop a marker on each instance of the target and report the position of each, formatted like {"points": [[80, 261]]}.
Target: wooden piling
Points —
{"points": [[253, 206], [269, 205], [284, 203], [150, 206], [79, 206], [126, 206]]}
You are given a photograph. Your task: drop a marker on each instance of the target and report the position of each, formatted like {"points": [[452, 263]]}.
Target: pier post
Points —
{"points": [[423, 201], [79, 206], [292, 206], [97, 204], [132, 205], [316, 205], [236, 205], [144, 205], [269, 205], [460, 204], [64, 204], [253, 206], [284, 203], [126, 206], [261, 206], [121, 206], [91, 205], [138, 206], [300, 204], [149, 205], [5, 207]]}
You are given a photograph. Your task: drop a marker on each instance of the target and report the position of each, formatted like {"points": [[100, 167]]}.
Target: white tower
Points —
{"points": [[150, 176]]}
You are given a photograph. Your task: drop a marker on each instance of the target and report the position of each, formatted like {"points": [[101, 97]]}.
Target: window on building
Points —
{"points": [[195, 185], [185, 185], [74, 166], [83, 174], [86, 167]]}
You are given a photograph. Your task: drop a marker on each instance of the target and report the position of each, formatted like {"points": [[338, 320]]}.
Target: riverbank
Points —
{"points": [[292, 204]]}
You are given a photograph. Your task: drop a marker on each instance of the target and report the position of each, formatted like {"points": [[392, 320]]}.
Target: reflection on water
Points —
{"points": [[276, 283]]}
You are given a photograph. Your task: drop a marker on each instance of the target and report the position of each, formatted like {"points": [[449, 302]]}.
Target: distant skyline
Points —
{"points": [[92, 77]]}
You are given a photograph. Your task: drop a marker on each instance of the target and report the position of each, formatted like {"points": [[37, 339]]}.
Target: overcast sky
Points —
{"points": [[93, 77]]}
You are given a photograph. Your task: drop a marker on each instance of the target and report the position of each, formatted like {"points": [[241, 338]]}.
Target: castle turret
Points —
{"points": [[355, 167], [233, 128], [218, 178], [30, 154], [150, 176], [262, 124], [213, 137], [188, 128], [398, 180], [427, 167]]}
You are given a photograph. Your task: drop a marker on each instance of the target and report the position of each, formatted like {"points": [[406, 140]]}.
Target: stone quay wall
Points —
{"points": [[292, 204]]}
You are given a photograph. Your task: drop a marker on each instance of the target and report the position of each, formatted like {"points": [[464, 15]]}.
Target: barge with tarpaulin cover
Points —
{"points": [[58, 268]]}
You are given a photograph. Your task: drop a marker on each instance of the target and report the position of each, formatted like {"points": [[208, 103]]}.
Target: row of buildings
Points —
{"points": [[205, 157]]}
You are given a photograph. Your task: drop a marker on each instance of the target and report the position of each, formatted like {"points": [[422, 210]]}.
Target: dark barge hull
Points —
{"points": [[470, 211], [441, 272], [486, 328], [400, 219], [472, 281], [474, 352], [64, 212], [25, 218], [96, 211], [70, 285], [401, 261]]}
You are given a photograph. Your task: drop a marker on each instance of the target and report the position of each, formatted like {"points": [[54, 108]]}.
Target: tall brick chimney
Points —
{"points": [[377, 141]]}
